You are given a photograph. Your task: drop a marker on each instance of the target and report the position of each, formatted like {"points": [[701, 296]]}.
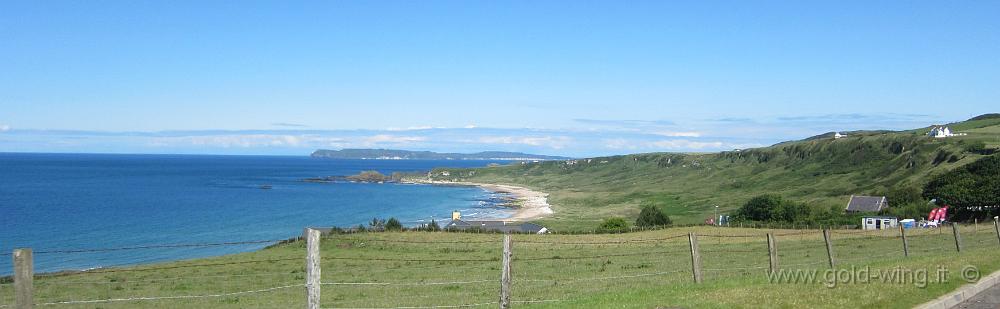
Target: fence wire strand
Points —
{"points": [[409, 283], [110, 300], [426, 307], [166, 246]]}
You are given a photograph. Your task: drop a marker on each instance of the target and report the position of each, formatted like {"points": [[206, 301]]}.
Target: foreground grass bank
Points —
{"points": [[634, 270]]}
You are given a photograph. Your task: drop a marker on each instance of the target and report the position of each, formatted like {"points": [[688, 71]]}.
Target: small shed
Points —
{"points": [[878, 222], [861, 203]]}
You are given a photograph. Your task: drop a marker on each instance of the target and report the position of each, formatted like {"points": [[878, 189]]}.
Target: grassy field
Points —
{"points": [[633, 270], [821, 171]]}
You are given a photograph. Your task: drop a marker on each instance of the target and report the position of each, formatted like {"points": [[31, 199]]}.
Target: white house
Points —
{"points": [[878, 222], [942, 132], [837, 135]]}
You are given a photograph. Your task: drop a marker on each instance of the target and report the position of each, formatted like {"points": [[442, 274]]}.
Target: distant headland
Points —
{"points": [[392, 154]]}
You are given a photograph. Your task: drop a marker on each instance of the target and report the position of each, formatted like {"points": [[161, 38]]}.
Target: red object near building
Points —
{"points": [[942, 213]]}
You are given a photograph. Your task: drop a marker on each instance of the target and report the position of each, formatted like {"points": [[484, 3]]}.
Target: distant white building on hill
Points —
{"points": [[942, 132], [837, 135]]}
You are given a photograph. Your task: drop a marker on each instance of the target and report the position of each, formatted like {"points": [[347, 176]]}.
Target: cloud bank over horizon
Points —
{"points": [[591, 137]]}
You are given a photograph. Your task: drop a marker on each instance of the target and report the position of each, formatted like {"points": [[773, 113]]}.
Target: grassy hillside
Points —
{"points": [[821, 171], [635, 270]]}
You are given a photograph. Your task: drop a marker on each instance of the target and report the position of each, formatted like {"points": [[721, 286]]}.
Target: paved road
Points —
{"points": [[988, 299]]}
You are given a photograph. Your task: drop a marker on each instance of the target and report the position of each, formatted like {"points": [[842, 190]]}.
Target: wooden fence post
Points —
{"points": [[829, 247], [695, 257], [24, 273], [772, 252], [958, 238], [505, 274], [312, 269], [996, 227], [906, 245]]}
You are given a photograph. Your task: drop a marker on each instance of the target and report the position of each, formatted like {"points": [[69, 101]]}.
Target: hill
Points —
{"points": [[820, 171], [392, 154]]}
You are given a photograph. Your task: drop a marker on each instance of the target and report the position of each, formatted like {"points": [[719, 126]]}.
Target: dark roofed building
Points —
{"points": [[497, 226], [860, 203]]}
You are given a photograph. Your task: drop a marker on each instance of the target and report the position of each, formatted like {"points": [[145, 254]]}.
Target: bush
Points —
{"points": [[615, 225], [978, 148], [774, 208], [651, 216], [393, 225], [760, 208], [904, 195]]}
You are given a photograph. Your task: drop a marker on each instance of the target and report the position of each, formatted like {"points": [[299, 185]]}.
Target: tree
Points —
{"points": [[615, 225], [433, 226], [760, 208], [377, 224], [769, 207], [968, 187], [651, 216], [393, 225]]}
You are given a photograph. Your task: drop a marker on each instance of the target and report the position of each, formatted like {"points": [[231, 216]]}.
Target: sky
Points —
{"points": [[574, 78]]}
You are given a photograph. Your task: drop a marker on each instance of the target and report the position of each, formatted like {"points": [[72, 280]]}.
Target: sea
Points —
{"points": [[71, 208]]}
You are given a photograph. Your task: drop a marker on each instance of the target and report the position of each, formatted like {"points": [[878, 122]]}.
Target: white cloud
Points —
{"points": [[247, 141], [4, 128], [289, 125], [470, 126], [678, 134], [554, 142], [244, 141], [414, 128], [619, 143], [392, 139], [685, 144]]}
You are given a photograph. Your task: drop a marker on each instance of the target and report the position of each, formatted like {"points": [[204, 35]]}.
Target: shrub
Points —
{"points": [[978, 148], [769, 207], [615, 224], [904, 195], [760, 208], [393, 225], [651, 216]]}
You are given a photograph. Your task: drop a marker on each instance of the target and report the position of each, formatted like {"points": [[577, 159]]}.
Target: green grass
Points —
{"points": [[633, 270], [822, 172]]}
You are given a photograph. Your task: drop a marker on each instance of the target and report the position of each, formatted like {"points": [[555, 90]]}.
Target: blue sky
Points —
{"points": [[575, 78]]}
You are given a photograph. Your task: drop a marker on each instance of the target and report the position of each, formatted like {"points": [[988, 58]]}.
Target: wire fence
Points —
{"points": [[246, 280], [466, 270]]}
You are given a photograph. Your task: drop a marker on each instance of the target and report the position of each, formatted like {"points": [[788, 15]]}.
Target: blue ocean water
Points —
{"points": [[85, 201]]}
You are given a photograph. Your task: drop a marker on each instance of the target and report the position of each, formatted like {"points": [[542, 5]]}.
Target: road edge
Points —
{"points": [[963, 293]]}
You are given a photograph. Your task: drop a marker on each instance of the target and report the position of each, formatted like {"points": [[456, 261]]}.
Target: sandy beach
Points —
{"points": [[532, 204]]}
